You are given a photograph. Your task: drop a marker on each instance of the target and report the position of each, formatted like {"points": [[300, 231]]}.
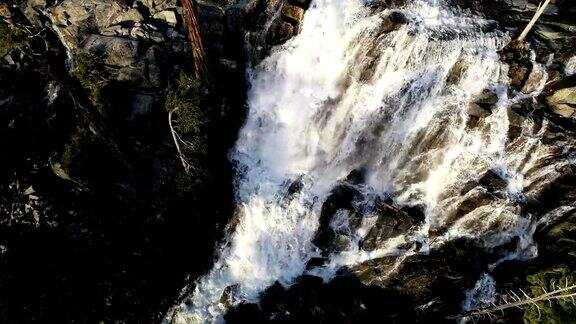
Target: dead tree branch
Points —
{"points": [[539, 12], [181, 145], [522, 300]]}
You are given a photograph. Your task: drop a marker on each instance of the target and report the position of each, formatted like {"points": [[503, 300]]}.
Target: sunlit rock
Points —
{"points": [[563, 102]]}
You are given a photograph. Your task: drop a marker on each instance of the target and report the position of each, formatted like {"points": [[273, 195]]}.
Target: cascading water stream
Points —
{"points": [[387, 92]]}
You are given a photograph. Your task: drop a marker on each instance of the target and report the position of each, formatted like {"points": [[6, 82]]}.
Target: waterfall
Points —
{"points": [[384, 91]]}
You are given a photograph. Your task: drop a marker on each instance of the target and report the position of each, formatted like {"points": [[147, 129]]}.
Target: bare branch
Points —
{"points": [[539, 12], [181, 145], [185, 164], [561, 293]]}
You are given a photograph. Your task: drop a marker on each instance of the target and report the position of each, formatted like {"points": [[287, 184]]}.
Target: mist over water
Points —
{"points": [[362, 89]]}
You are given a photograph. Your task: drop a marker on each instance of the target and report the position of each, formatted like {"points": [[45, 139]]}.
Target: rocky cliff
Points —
{"points": [[98, 219]]}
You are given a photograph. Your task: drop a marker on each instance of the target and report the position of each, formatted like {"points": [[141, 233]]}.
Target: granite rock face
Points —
{"points": [[95, 208], [93, 192]]}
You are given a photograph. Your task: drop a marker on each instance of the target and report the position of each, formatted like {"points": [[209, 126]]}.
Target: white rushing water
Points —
{"points": [[349, 94]]}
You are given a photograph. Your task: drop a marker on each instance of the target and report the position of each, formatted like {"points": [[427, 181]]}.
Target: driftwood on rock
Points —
{"points": [[539, 12]]}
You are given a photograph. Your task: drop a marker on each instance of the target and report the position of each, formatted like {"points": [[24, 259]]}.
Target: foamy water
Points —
{"points": [[348, 95]]}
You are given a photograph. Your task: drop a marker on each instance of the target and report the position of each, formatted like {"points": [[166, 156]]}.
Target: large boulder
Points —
{"points": [[518, 56], [116, 51], [337, 205], [167, 16], [475, 114], [535, 81], [391, 222], [288, 23], [493, 181], [342, 300], [563, 102]]}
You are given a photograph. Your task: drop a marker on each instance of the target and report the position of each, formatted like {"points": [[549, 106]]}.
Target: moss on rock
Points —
{"points": [[10, 38], [93, 76], [560, 311], [74, 151]]}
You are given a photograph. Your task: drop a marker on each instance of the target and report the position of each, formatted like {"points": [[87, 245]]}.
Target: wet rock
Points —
{"points": [[569, 66], [374, 272], [475, 197], [391, 222], [487, 98], [280, 32], [439, 276], [295, 187], [392, 22], [518, 57], [304, 4], [341, 243], [340, 200], [477, 111], [475, 114], [227, 298], [555, 187], [564, 111], [356, 176], [563, 102], [535, 81], [549, 34], [288, 23], [515, 121], [560, 82], [557, 241], [293, 13], [456, 73], [342, 300], [416, 212], [493, 181], [315, 263]]}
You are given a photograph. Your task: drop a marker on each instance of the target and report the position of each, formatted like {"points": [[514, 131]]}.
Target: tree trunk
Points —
{"points": [[201, 65]]}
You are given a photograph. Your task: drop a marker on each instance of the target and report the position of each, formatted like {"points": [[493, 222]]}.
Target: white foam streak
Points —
{"points": [[570, 67], [483, 293]]}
